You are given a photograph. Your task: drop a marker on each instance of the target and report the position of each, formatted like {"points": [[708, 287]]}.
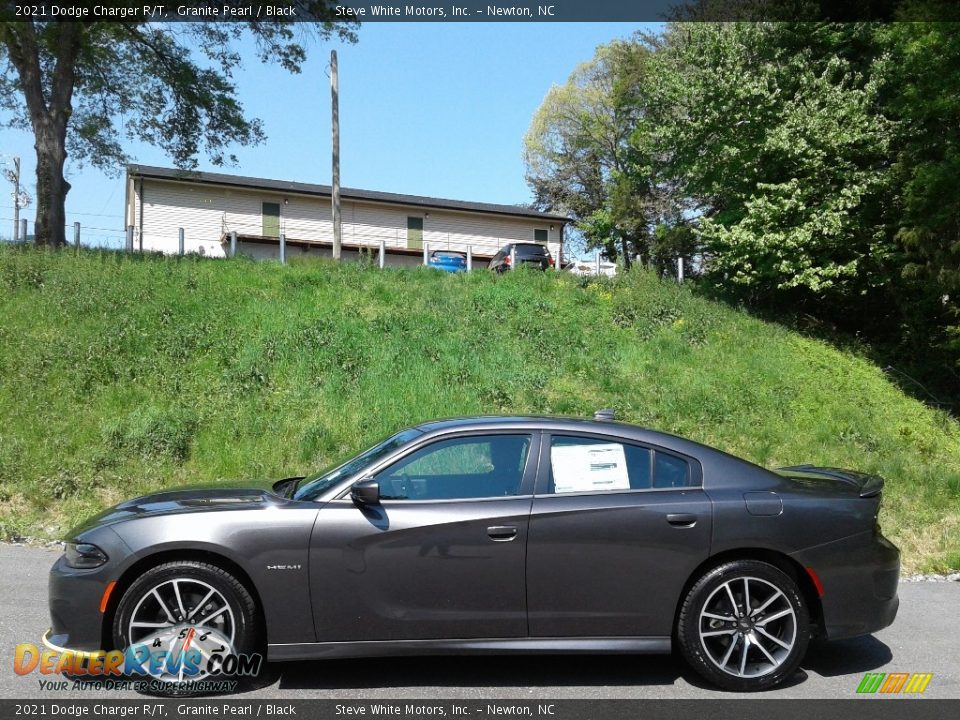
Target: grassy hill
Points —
{"points": [[123, 374]]}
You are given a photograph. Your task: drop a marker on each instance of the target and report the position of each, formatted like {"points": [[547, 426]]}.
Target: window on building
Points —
{"points": [[415, 233], [271, 219], [540, 235]]}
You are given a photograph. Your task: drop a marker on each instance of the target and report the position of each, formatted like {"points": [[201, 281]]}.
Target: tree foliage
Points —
{"points": [[922, 67], [809, 166], [85, 89], [777, 141]]}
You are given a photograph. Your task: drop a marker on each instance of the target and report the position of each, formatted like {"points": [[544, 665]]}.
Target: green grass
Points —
{"points": [[122, 374]]}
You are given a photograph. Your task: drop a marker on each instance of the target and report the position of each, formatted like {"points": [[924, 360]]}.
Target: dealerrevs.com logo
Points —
{"points": [[894, 683], [180, 658]]}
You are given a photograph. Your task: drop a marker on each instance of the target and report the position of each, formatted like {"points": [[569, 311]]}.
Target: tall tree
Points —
{"points": [[577, 151], [83, 88]]}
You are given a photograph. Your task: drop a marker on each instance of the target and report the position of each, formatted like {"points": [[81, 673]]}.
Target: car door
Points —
{"points": [[615, 531], [443, 552]]}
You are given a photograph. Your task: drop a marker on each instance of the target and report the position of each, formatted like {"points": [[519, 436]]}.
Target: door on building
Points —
{"points": [[271, 219], [415, 233]]}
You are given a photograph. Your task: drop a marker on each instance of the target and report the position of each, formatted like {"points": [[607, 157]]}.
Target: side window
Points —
{"points": [[579, 464], [476, 466], [588, 464], [671, 471]]}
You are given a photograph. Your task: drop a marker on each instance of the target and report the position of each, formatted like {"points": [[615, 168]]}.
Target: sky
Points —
{"points": [[437, 109]]}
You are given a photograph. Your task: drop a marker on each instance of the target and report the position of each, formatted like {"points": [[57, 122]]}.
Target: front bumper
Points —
{"points": [[48, 642], [860, 577], [74, 596]]}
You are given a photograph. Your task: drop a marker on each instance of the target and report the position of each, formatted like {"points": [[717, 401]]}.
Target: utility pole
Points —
{"points": [[16, 199], [335, 127], [20, 198]]}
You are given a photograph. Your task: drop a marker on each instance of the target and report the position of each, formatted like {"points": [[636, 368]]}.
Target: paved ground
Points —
{"points": [[925, 638]]}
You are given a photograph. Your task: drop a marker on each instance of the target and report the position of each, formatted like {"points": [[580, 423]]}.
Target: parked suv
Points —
{"points": [[530, 254]]}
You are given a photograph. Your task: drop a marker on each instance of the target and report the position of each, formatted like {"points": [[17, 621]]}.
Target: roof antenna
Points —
{"points": [[605, 414]]}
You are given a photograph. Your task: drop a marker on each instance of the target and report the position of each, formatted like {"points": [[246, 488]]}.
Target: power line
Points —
{"points": [[88, 214]]}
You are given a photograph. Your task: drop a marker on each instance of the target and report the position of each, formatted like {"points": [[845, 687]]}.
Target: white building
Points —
{"points": [[211, 206]]}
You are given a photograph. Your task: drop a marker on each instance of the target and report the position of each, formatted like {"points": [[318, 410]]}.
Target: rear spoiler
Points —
{"points": [[868, 485]]}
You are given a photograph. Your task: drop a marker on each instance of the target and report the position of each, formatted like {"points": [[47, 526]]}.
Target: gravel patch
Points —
{"points": [[33, 542], [932, 577]]}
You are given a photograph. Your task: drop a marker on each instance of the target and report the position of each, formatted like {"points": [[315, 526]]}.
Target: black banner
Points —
{"points": [[733, 709], [470, 11]]}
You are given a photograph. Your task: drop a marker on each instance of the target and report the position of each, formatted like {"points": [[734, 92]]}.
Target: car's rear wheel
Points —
{"points": [[187, 604], [744, 626]]}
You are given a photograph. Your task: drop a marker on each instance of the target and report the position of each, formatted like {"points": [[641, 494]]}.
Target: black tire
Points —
{"points": [[243, 610], [720, 590]]}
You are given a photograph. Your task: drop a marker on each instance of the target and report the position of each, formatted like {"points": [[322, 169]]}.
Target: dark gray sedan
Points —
{"points": [[495, 535]]}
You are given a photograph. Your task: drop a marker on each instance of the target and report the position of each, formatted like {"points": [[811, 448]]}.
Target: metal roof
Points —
{"points": [[191, 176]]}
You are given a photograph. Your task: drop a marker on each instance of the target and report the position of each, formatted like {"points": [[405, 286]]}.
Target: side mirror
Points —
{"points": [[366, 492]]}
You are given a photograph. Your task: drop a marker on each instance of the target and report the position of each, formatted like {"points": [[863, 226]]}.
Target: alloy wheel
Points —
{"points": [[180, 614], [748, 627]]}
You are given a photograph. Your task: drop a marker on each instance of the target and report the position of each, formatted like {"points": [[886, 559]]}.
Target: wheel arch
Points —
{"points": [[144, 564], [779, 560]]}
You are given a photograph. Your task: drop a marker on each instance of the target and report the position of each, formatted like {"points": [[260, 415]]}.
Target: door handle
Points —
{"points": [[682, 519], [502, 533]]}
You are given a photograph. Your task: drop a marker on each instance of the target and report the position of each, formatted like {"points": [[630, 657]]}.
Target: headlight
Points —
{"points": [[84, 556]]}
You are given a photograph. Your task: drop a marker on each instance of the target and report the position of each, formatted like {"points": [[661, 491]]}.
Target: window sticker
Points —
{"points": [[582, 468]]}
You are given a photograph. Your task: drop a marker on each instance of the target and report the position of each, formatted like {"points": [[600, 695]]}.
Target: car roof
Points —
{"points": [[484, 421], [547, 422]]}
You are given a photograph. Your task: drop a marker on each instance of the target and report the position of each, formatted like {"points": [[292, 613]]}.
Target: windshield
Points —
{"points": [[316, 485]]}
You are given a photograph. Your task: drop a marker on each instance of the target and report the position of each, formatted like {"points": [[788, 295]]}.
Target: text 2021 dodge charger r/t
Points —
{"points": [[497, 535]]}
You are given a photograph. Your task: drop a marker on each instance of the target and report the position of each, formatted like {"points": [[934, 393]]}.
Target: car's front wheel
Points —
{"points": [[744, 626], [183, 605]]}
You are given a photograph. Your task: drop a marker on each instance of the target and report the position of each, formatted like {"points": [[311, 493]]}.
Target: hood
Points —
{"points": [[835, 480], [209, 498]]}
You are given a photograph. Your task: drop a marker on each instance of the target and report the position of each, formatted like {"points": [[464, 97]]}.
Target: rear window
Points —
{"points": [[448, 254], [582, 464], [531, 250], [579, 464]]}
